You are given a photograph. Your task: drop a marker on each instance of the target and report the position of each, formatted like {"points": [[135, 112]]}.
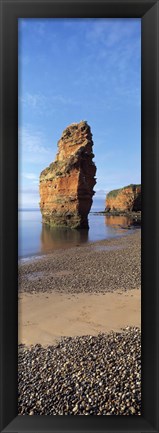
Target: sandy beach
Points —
{"points": [[86, 293], [45, 319]]}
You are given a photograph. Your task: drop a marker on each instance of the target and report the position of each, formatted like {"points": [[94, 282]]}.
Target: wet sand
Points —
{"points": [[45, 318], [80, 291]]}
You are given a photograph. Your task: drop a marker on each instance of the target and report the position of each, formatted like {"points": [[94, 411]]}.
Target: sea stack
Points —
{"points": [[66, 186], [126, 199]]}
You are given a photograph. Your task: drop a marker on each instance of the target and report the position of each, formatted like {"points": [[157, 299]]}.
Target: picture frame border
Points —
{"points": [[148, 11]]}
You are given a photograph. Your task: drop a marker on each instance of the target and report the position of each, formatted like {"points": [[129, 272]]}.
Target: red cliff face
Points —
{"points": [[66, 186], [127, 199]]}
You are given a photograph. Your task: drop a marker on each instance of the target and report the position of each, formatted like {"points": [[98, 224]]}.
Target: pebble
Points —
{"points": [[89, 375], [90, 271]]}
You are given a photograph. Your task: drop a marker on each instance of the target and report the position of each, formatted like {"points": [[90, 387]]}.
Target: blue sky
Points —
{"points": [[79, 69]]}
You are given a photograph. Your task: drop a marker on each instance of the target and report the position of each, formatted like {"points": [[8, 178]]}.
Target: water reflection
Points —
{"points": [[54, 238], [35, 238], [121, 221]]}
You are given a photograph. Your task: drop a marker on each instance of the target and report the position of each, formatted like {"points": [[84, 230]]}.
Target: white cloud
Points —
{"points": [[100, 193], [110, 31], [28, 196], [35, 101], [34, 156], [33, 148], [26, 200], [65, 100], [115, 44], [30, 176], [43, 105]]}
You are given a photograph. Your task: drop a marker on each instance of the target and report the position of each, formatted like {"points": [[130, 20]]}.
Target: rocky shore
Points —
{"points": [[133, 218], [89, 374]]}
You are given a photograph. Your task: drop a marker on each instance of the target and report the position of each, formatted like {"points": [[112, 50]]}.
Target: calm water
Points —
{"points": [[37, 238]]}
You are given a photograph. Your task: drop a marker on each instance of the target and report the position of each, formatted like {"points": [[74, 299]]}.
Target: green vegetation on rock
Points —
{"points": [[115, 192]]}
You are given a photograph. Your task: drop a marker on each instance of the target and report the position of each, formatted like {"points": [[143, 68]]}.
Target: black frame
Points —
{"points": [[148, 11]]}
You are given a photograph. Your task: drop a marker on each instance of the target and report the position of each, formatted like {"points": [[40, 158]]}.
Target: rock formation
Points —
{"points": [[66, 186], [127, 199]]}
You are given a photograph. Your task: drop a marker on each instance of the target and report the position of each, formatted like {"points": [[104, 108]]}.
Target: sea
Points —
{"points": [[36, 238]]}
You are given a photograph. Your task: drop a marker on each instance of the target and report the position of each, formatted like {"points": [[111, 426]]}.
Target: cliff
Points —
{"points": [[127, 199], [66, 186]]}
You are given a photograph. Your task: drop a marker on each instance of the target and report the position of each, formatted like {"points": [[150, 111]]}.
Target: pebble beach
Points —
{"points": [[99, 267], [89, 374]]}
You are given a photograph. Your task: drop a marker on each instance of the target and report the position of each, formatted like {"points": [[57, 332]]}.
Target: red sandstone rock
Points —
{"points": [[66, 186], [127, 199]]}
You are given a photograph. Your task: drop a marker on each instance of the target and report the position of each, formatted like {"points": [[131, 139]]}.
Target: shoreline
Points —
{"points": [[123, 230], [79, 330], [98, 267]]}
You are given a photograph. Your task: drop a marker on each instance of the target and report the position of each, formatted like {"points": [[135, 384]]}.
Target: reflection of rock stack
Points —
{"points": [[66, 186], [119, 220], [127, 199], [56, 237]]}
